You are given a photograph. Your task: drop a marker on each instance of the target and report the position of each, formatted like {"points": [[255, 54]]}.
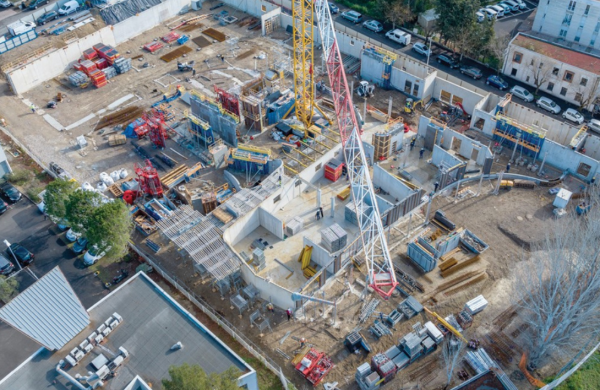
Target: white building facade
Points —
{"points": [[567, 74], [575, 21]]}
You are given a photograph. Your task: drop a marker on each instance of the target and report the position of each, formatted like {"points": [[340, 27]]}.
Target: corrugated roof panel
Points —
{"points": [[48, 311]]}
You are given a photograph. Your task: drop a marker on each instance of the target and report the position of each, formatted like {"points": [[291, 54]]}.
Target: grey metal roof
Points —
{"points": [[49, 311]]}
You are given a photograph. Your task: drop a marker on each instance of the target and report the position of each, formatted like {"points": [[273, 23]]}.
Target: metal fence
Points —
{"points": [[220, 320]]}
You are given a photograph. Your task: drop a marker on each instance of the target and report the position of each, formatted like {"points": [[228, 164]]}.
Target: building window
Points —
{"points": [[517, 57], [563, 32], [263, 8], [550, 87], [578, 97], [513, 72], [578, 34], [563, 91], [555, 71], [567, 20], [572, 5], [568, 76], [587, 10], [527, 79], [351, 43], [583, 81]]}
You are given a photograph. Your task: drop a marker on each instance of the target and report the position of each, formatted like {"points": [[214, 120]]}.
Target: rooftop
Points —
{"points": [[152, 323], [563, 54]]}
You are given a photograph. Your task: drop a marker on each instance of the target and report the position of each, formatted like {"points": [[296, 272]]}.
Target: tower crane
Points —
{"points": [[380, 276]]}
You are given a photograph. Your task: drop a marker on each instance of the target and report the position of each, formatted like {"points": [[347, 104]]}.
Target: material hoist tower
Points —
{"points": [[381, 275]]}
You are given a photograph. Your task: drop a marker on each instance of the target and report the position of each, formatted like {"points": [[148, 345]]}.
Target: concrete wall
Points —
{"points": [[407, 82], [439, 155], [319, 255], [469, 98], [387, 182], [467, 146], [252, 7], [269, 291], [316, 170], [148, 19], [556, 129], [565, 158], [592, 147], [55, 63], [243, 226], [271, 223]]}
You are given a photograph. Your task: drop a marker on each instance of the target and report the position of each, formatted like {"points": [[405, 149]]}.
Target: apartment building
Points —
{"points": [[576, 21], [567, 74]]}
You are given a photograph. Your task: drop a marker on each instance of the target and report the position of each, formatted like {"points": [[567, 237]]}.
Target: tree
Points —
{"points": [[452, 352], [109, 225], [497, 47], [8, 288], [475, 39], [557, 290], [541, 72], [587, 95], [394, 11], [55, 198], [186, 377], [455, 18], [79, 208]]}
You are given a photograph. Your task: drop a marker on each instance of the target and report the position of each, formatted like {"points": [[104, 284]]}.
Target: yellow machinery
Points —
{"points": [[411, 105], [304, 59], [446, 325]]}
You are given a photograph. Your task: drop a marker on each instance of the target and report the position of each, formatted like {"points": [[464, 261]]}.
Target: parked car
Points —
{"points": [[5, 4], [499, 10], [334, 9], [513, 4], [373, 25], [79, 245], [572, 115], [521, 93], [507, 8], [34, 4], [522, 4], [398, 36], [471, 72], [421, 48], [6, 267], [352, 16], [480, 16], [491, 14], [594, 125], [47, 17], [21, 253], [9, 191], [69, 7], [448, 60], [117, 279], [548, 104], [222, 14], [93, 255], [496, 81], [3, 207], [72, 235]]}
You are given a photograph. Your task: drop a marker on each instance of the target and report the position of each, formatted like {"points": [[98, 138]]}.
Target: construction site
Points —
{"points": [[345, 209]]}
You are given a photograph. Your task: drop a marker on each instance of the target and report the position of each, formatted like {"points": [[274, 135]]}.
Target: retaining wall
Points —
{"points": [[55, 63]]}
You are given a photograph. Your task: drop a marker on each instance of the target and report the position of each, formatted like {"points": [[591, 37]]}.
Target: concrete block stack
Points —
{"points": [[122, 65], [258, 257], [110, 72], [351, 215], [294, 226], [334, 238], [341, 233]]}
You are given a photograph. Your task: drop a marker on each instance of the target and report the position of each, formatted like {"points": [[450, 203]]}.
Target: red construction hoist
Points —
{"points": [[228, 101], [148, 179], [155, 121], [314, 366]]}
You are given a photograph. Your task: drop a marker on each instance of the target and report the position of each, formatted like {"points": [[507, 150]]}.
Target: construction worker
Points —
{"points": [[270, 307], [507, 167], [435, 186], [321, 210], [412, 143], [32, 109], [302, 342], [421, 152], [289, 313]]}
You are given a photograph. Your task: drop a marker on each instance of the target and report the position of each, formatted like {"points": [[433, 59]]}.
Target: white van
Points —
{"points": [[499, 10], [19, 27], [491, 14], [69, 8], [480, 16], [399, 36]]}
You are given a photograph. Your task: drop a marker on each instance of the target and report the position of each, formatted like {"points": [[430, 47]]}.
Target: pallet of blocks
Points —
{"points": [[116, 139], [222, 215]]}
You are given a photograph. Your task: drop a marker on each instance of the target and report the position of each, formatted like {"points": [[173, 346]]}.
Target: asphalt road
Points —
{"points": [[12, 14], [510, 22], [24, 224]]}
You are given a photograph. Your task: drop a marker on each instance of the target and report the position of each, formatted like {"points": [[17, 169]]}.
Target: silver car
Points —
{"points": [[373, 25], [421, 48], [521, 93]]}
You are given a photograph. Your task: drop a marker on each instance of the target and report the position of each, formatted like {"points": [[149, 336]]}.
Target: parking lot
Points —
{"points": [[436, 50], [23, 223]]}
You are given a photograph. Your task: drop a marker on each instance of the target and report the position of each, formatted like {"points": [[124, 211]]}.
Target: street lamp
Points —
{"points": [[428, 50], [10, 250]]}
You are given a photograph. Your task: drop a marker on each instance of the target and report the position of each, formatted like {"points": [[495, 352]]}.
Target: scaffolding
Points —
{"points": [[381, 143]]}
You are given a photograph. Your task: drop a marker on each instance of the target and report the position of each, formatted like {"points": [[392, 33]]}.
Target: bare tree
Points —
{"points": [[497, 47], [395, 12], [557, 290], [587, 95], [541, 72], [452, 352]]}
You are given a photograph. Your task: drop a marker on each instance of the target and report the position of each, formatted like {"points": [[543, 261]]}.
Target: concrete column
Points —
{"points": [[390, 109], [337, 264], [542, 166], [497, 189], [322, 278], [428, 209], [332, 206], [512, 158], [365, 111], [318, 197]]}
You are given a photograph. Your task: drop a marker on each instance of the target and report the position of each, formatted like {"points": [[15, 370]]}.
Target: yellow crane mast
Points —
{"points": [[303, 37]]}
